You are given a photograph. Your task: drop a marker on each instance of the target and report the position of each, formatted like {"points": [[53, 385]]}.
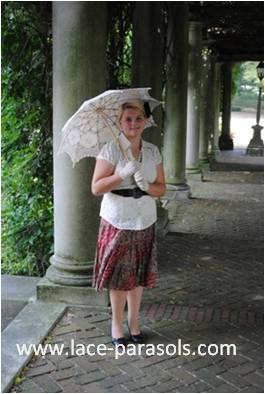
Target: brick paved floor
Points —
{"points": [[210, 291]]}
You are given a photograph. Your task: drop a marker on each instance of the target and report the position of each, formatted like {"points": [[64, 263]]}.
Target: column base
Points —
{"points": [[193, 170], [225, 142], [215, 151], [67, 272], [175, 192], [162, 220], [256, 146], [205, 164], [204, 160], [48, 291], [194, 176]]}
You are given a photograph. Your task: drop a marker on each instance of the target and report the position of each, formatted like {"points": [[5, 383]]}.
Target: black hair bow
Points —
{"points": [[147, 109]]}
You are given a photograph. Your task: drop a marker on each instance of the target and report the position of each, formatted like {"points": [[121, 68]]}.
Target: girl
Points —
{"points": [[126, 253]]}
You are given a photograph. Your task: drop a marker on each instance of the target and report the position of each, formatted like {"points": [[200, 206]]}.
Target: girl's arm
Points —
{"points": [[104, 180], [158, 188]]}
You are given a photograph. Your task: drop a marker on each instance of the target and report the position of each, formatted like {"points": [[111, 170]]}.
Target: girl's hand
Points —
{"points": [[130, 168], [140, 181]]}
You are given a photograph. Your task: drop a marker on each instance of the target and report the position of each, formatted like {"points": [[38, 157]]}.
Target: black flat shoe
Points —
{"points": [[118, 341], [135, 338]]}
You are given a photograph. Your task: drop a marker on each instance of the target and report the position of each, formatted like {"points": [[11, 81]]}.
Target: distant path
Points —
{"points": [[241, 123]]}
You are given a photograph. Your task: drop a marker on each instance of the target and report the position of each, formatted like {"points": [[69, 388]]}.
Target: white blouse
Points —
{"points": [[127, 212]]}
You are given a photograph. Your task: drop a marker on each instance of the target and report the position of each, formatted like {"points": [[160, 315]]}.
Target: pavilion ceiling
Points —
{"points": [[235, 28]]}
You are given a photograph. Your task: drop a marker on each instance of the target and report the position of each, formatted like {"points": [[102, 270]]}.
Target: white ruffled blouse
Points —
{"points": [[127, 212]]}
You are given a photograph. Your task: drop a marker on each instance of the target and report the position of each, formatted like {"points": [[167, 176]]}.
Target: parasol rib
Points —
{"points": [[104, 117]]}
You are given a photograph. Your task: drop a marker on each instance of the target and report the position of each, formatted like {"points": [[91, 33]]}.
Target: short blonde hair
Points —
{"points": [[135, 104]]}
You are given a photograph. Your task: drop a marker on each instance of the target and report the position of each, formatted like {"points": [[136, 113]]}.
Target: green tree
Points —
{"points": [[248, 79], [246, 86], [119, 46], [236, 77], [27, 229]]}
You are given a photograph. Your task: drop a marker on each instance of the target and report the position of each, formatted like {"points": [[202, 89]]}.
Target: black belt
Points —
{"points": [[135, 193]]}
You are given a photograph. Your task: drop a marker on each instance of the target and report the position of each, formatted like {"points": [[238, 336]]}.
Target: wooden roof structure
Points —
{"points": [[234, 28]]}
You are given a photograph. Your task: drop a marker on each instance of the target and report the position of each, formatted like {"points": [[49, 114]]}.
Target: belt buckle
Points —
{"points": [[137, 193]]}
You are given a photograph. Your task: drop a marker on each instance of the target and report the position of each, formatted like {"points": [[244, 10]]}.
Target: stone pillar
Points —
{"points": [[176, 97], [210, 107], [148, 57], [79, 72], [217, 103], [225, 140], [212, 102], [193, 109], [204, 108]]}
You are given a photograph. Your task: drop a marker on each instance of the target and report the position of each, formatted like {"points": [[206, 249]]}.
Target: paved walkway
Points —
{"points": [[16, 292], [210, 291]]}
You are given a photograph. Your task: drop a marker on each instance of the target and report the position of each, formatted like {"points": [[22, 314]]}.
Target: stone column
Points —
{"points": [[79, 73], [147, 70], [225, 140], [212, 102], [148, 57], [204, 109], [176, 97], [210, 107], [193, 109], [217, 103]]}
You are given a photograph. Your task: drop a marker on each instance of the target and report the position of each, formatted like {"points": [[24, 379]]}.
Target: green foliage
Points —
{"points": [[236, 76], [119, 44], [245, 86], [27, 229], [248, 81]]}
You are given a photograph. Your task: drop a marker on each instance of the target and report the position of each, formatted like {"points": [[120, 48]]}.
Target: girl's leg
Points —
{"points": [[134, 298], [118, 301]]}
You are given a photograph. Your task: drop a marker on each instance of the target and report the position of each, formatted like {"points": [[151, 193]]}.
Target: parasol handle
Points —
{"points": [[114, 136]]}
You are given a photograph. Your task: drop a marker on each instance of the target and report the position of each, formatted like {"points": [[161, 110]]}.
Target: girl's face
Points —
{"points": [[132, 123]]}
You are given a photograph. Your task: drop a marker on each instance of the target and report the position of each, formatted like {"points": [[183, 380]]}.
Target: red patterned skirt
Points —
{"points": [[125, 259]]}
